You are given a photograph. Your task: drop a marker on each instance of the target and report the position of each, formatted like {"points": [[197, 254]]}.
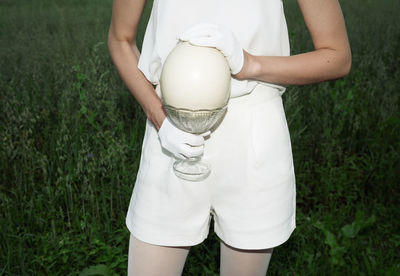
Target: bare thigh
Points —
{"points": [[155, 260], [238, 262]]}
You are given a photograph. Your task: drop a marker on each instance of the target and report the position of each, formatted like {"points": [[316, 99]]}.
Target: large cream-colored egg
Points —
{"points": [[195, 77]]}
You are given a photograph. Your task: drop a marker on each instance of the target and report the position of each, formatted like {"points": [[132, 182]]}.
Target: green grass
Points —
{"points": [[70, 141]]}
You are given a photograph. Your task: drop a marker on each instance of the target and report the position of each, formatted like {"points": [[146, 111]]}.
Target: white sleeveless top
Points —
{"points": [[258, 25]]}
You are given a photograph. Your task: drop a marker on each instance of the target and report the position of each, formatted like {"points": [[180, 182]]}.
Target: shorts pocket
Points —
{"points": [[146, 153], [270, 141]]}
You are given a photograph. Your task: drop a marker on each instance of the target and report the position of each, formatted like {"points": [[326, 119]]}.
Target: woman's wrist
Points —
{"points": [[156, 116], [250, 68]]}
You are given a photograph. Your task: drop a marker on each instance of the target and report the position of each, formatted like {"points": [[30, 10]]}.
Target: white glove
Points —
{"points": [[180, 143], [220, 37]]}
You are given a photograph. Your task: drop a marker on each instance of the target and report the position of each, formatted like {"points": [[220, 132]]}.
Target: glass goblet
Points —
{"points": [[195, 122]]}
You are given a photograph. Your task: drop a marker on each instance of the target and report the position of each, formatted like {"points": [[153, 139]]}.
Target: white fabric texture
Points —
{"points": [[220, 37], [258, 25], [250, 191]]}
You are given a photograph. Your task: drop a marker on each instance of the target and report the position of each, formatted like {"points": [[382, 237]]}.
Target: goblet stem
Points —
{"points": [[192, 169]]}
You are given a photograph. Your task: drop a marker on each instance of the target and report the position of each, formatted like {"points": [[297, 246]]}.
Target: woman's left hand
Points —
{"points": [[220, 37]]}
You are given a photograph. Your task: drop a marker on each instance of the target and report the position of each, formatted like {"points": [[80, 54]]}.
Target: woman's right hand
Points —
{"points": [[180, 143]]}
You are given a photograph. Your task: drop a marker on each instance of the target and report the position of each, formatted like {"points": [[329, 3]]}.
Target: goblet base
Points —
{"points": [[192, 169]]}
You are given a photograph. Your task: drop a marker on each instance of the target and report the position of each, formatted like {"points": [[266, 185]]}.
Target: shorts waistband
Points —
{"points": [[260, 94]]}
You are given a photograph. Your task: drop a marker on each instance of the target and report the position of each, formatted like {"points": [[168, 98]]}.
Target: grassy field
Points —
{"points": [[70, 140]]}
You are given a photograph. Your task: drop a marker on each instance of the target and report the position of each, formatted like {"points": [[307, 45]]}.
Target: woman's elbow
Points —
{"points": [[345, 64], [117, 41]]}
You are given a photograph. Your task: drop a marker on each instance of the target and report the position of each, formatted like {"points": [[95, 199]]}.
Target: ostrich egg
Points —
{"points": [[195, 77]]}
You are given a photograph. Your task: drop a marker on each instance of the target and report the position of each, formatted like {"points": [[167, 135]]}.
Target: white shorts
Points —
{"points": [[250, 192]]}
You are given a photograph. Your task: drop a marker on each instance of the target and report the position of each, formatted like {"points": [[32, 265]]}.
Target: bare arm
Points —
{"points": [[331, 58], [125, 55]]}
